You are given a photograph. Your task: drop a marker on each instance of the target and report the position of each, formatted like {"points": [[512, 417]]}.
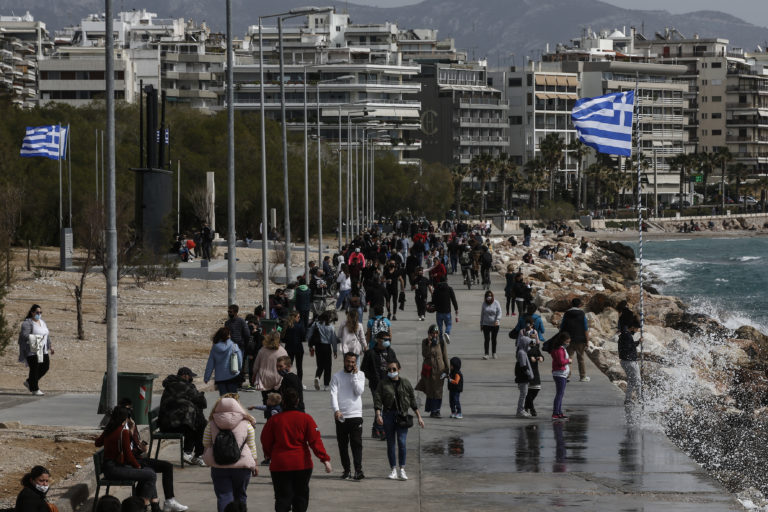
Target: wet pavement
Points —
{"points": [[490, 460]]}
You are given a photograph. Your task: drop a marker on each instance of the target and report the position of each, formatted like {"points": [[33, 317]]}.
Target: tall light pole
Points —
{"points": [[264, 220], [306, 183], [111, 226], [231, 241], [283, 129]]}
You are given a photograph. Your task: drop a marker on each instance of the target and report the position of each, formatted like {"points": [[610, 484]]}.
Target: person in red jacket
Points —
{"points": [[437, 272], [286, 440]]}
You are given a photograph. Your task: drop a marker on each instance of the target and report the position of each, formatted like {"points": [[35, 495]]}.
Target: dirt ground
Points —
{"points": [[162, 326]]}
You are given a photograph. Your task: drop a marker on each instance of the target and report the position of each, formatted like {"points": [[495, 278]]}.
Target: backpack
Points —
{"points": [[379, 325], [225, 449], [464, 259]]}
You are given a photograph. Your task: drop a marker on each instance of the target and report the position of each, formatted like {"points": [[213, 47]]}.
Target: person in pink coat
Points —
{"points": [[560, 371]]}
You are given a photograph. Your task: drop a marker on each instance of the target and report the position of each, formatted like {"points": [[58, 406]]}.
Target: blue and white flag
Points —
{"points": [[605, 122], [46, 141]]}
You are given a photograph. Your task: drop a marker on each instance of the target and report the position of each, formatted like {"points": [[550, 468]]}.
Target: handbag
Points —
{"points": [[37, 346], [431, 307], [426, 370], [234, 363], [403, 420]]}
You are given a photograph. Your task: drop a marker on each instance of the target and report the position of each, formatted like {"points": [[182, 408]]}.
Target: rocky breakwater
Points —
{"points": [[705, 385]]}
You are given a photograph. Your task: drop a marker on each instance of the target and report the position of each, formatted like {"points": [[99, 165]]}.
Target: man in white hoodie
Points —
{"points": [[347, 403]]}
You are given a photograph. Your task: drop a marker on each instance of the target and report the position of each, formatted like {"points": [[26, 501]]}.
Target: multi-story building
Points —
{"points": [[357, 70], [22, 40], [169, 54], [462, 116]]}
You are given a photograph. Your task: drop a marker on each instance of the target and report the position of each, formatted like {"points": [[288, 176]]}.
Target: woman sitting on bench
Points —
{"points": [[121, 463]]}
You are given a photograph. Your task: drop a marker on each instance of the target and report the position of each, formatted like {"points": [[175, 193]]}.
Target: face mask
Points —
{"points": [[386, 344], [489, 300], [38, 316], [393, 375], [41, 488], [283, 373], [232, 315]]}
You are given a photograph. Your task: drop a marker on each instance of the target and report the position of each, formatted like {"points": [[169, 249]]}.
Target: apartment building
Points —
{"points": [[357, 70], [22, 40]]}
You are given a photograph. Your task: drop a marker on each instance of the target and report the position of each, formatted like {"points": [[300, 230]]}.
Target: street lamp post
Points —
{"points": [[283, 128], [306, 183]]}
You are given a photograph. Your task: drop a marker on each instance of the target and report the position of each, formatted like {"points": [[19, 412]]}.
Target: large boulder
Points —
{"points": [[617, 261], [561, 303]]}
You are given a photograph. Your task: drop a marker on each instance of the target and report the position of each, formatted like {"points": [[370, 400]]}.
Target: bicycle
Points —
{"points": [[467, 277]]}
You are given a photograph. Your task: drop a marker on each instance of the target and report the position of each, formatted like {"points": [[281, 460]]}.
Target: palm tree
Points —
{"points": [[483, 169], [723, 158], [535, 178], [552, 147], [458, 173], [707, 161], [762, 186], [506, 170], [736, 173], [579, 150], [682, 162]]}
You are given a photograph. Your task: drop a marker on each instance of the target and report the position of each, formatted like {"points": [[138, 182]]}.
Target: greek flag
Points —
{"points": [[605, 122], [46, 141]]}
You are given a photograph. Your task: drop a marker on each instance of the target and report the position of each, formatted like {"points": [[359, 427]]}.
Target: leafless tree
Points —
{"points": [[11, 201]]}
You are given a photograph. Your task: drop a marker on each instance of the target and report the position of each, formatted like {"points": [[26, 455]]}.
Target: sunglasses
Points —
{"points": [[393, 369]]}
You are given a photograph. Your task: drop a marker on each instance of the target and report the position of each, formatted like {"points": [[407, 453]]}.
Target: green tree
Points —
{"points": [[707, 162], [483, 169], [684, 163], [579, 150], [535, 179], [458, 173], [506, 171], [552, 146], [723, 158]]}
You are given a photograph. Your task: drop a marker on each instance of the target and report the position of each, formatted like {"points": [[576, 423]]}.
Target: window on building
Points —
{"points": [[530, 97], [717, 115], [529, 80], [490, 81], [338, 28], [717, 99], [515, 120], [705, 132], [704, 115], [717, 132], [515, 82], [716, 82], [703, 82], [717, 65]]}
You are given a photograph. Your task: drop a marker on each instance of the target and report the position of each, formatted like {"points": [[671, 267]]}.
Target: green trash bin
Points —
{"points": [[137, 387], [267, 326]]}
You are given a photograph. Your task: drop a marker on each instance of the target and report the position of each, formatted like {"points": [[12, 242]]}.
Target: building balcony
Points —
{"points": [[748, 121], [662, 102], [662, 118], [191, 93], [746, 140], [761, 156], [188, 75], [483, 103], [480, 122], [678, 135], [744, 105], [469, 140]]}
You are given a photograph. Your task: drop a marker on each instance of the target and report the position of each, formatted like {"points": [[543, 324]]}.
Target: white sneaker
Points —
{"points": [[486, 357], [523, 414], [325, 388], [393, 474], [189, 458], [198, 461], [494, 355], [446, 337], [317, 384], [403, 476], [38, 393], [172, 505], [453, 415], [584, 379]]}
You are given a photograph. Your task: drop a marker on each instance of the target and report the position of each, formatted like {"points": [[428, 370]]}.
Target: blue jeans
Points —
{"points": [[230, 484], [454, 262], [453, 399], [557, 408], [394, 435], [443, 319], [343, 294], [527, 241], [227, 386]]}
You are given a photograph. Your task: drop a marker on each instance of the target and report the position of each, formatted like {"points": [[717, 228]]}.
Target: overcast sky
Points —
{"points": [[754, 11]]}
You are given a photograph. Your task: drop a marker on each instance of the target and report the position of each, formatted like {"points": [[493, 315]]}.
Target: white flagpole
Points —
{"points": [[69, 179], [636, 122], [61, 209]]}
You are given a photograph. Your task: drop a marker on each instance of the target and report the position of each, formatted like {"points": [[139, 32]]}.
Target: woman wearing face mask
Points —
{"points": [[394, 398], [375, 364], [433, 370], [35, 487], [490, 318], [35, 348]]}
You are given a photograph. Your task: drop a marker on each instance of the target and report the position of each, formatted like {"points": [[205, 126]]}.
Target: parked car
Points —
{"points": [[749, 200]]}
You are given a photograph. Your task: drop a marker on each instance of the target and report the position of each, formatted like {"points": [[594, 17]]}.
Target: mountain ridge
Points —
{"points": [[521, 28]]}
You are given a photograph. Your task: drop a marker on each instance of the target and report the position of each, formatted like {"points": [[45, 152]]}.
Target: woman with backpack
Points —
{"points": [[230, 450], [220, 363], [323, 342]]}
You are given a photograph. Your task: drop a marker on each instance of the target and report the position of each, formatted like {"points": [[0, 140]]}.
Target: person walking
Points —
{"points": [[522, 293], [294, 336], [575, 323], [265, 376], [347, 388], [560, 371], [628, 355], [345, 285], [206, 236], [434, 368], [523, 369], [422, 289], [392, 401], [374, 367], [443, 297], [35, 348], [530, 315], [230, 426], [220, 361], [393, 278], [509, 288], [287, 439], [455, 388], [490, 320], [351, 336], [241, 335], [323, 343]]}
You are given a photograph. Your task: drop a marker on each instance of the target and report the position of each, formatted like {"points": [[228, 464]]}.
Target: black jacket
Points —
{"points": [[377, 296], [291, 380], [370, 366], [573, 323], [627, 346], [443, 297], [294, 338], [456, 363], [31, 500], [181, 405]]}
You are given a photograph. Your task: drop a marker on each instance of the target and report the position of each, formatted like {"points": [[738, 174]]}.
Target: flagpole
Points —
{"points": [[96, 162], [61, 208], [69, 178], [636, 120]]}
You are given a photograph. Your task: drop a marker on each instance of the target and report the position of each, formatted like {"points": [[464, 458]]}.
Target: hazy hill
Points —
{"points": [[490, 28]]}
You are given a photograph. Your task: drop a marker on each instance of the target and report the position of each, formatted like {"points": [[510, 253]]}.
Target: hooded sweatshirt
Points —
{"points": [[218, 361], [228, 414], [523, 369], [456, 381]]}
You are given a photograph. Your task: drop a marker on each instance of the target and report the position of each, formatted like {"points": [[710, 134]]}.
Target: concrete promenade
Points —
{"points": [[488, 461]]}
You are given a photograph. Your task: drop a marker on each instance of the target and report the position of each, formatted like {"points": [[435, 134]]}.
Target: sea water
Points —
{"points": [[725, 278]]}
